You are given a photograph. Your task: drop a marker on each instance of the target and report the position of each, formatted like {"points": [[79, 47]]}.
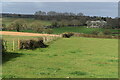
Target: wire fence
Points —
{"points": [[14, 44]]}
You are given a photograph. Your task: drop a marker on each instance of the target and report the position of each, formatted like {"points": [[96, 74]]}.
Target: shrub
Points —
{"points": [[43, 30], [67, 34], [17, 25], [63, 23], [39, 27], [78, 34], [39, 30], [32, 44], [107, 32], [95, 32], [35, 25], [48, 31], [4, 27], [10, 27], [100, 34]]}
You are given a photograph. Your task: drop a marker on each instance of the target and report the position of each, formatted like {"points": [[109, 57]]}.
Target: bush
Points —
{"points": [[96, 36], [17, 25], [100, 34], [63, 23], [48, 31], [107, 32], [4, 27], [67, 34], [55, 24], [39, 27], [32, 44], [95, 32], [35, 25], [39, 30]]}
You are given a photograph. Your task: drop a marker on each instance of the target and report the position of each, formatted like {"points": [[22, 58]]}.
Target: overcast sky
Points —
{"points": [[88, 8], [59, 0]]}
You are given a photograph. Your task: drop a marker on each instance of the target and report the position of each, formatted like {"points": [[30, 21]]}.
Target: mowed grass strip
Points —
{"points": [[74, 57]]}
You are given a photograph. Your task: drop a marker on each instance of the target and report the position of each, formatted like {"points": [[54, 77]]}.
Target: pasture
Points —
{"points": [[75, 57], [7, 21], [80, 29]]}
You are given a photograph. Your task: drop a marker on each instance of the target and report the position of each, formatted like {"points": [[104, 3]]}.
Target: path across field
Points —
{"points": [[25, 34]]}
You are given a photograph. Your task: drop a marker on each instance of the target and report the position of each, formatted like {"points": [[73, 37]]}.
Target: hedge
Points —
{"points": [[32, 44]]}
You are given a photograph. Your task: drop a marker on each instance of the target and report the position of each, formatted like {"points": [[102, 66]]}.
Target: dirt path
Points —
{"points": [[25, 34]]}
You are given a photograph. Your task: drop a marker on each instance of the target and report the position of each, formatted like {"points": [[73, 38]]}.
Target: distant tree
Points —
{"points": [[36, 26], [18, 25], [80, 14], [66, 14], [51, 13], [112, 23], [72, 14], [75, 22], [63, 23], [55, 23], [40, 13]]}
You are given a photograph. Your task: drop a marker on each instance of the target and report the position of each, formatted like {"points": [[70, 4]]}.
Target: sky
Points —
{"points": [[59, 0], [104, 9]]}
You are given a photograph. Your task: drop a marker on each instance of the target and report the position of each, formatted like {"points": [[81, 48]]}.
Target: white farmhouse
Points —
{"points": [[96, 24]]}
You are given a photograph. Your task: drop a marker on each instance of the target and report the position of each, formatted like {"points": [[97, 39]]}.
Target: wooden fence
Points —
{"points": [[13, 45]]}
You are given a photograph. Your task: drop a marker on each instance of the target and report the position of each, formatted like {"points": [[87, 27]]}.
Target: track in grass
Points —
{"points": [[25, 34]]}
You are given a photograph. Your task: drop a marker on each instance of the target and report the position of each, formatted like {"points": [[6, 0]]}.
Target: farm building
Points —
{"points": [[96, 24]]}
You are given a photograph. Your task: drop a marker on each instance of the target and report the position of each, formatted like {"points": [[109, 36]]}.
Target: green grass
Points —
{"points": [[81, 29], [67, 57], [8, 21]]}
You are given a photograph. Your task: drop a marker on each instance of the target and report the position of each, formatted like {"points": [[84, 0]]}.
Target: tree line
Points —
{"points": [[68, 19], [53, 13], [72, 19]]}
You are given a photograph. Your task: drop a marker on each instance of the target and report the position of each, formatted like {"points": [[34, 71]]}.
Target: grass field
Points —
{"points": [[8, 21], [81, 29], [74, 57]]}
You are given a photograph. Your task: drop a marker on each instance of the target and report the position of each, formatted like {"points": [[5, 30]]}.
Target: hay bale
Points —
{"points": [[32, 44]]}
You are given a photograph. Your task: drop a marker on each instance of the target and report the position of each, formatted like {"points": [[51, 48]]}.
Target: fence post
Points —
{"points": [[5, 44], [47, 39], [43, 39], [18, 44], [13, 45]]}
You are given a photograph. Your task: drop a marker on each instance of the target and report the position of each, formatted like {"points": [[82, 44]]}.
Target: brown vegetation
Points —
{"points": [[32, 44]]}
